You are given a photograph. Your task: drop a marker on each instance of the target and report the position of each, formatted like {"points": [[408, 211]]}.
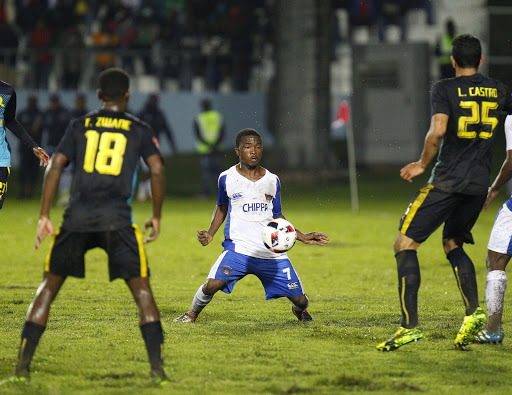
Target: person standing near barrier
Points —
{"points": [[209, 129], [31, 118]]}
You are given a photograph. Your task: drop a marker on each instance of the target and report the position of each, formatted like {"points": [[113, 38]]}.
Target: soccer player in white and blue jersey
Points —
{"points": [[499, 250], [8, 119], [249, 196]]}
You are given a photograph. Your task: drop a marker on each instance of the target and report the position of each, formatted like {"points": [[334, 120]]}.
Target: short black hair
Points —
{"points": [[246, 132], [206, 104], [113, 83], [467, 51]]}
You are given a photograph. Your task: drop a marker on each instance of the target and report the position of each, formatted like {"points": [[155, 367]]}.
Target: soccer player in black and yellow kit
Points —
{"points": [[106, 146], [8, 119], [465, 112]]}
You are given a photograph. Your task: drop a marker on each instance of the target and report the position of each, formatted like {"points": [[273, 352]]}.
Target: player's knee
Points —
{"points": [[212, 285], [451, 244], [496, 261], [402, 242]]}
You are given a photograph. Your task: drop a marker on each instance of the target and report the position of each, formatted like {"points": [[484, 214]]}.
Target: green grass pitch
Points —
{"points": [[241, 343]]}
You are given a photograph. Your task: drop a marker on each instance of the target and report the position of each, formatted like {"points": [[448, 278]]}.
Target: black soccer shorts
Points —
{"points": [[4, 175], [431, 207], [126, 255]]}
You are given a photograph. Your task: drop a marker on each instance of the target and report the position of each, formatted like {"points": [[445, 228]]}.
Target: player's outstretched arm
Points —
{"points": [[502, 178], [219, 215], [156, 166], [431, 147], [50, 185], [313, 238], [42, 155]]}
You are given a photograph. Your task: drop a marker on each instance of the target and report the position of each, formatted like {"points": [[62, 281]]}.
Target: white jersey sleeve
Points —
{"points": [[508, 131]]}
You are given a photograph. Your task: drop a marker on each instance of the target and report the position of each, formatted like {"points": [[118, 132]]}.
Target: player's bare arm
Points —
{"points": [[312, 238], [157, 168], [218, 218], [50, 185], [431, 147], [42, 155], [502, 178]]}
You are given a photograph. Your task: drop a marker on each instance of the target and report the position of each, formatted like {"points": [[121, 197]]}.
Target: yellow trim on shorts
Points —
{"points": [[142, 253], [402, 296], [47, 260], [415, 206], [9, 170]]}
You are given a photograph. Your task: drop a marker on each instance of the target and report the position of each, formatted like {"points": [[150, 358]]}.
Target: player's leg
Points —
{"points": [[279, 278], [150, 325], [4, 176], [127, 260], [425, 213], [495, 287], [499, 251], [409, 278], [456, 232], [35, 324], [464, 272], [65, 258], [300, 306], [224, 274], [203, 296]]}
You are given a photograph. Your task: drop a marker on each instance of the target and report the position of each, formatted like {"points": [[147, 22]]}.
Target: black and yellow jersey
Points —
{"points": [[105, 147], [473, 104]]}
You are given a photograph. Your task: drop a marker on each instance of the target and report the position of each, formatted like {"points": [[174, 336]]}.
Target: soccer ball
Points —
{"points": [[279, 235]]}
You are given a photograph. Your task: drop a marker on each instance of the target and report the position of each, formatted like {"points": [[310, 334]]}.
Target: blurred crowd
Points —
{"points": [[169, 39], [218, 41]]}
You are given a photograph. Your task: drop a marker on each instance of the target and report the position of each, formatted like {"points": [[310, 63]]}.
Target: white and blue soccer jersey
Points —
{"points": [[251, 205], [7, 112], [500, 239]]}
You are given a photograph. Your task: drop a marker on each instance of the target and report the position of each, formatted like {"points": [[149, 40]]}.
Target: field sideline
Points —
{"points": [[242, 343]]}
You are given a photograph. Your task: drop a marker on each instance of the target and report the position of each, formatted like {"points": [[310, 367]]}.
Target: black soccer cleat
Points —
{"points": [[302, 315]]}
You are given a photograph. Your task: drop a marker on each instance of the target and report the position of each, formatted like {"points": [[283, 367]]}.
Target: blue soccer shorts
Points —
{"points": [[277, 276]]}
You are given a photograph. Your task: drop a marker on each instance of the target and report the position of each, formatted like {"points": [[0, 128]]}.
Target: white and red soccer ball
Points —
{"points": [[279, 235]]}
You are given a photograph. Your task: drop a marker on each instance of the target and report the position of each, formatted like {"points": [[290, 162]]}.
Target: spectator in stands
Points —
{"points": [[190, 45], [28, 14], [31, 118], [239, 30], [73, 57], [126, 32], [40, 43], [361, 13], [167, 60], [104, 40], [147, 32], [209, 129], [391, 12], [8, 44], [444, 50], [60, 17]]}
